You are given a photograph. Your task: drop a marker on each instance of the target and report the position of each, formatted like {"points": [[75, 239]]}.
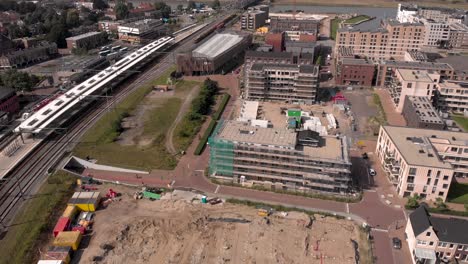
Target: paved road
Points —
{"points": [[372, 209]]}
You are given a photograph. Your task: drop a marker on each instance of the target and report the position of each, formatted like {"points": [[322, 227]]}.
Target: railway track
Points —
{"points": [[23, 180]]}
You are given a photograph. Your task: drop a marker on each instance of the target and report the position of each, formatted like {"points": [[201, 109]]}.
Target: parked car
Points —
{"points": [[372, 172], [396, 243]]}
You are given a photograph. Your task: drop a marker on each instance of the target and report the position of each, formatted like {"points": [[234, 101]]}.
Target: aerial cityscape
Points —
{"points": [[233, 131]]}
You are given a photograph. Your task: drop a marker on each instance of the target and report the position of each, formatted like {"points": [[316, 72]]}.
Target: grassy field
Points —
{"points": [[36, 220], [461, 121], [99, 142], [334, 27], [356, 19], [458, 193]]}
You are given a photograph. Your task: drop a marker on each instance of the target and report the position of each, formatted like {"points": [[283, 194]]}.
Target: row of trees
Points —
{"points": [[122, 9], [202, 104], [19, 81]]}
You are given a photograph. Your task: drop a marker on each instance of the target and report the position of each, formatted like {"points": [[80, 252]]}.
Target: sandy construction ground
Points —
{"points": [[185, 231]]}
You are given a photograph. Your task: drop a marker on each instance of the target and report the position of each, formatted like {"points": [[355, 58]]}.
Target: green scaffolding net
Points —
{"points": [[221, 154]]}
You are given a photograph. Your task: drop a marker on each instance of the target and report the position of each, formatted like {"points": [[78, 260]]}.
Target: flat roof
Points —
{"points": [[272, 54], [414, 75], [312, 69], [85, 35], [244, 133], [424, 109], [416, 144], [459, 63], [330, 148], [217, 45], [249, 110], [418, 64], [350, 61]]}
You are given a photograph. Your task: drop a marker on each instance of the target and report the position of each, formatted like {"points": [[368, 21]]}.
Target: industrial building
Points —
{"points": [[142, 31], [279, 24], [255, 17], [20, 58], [279, 159], [282, 82], [389, 40], [218, 53], [419, 113], [87, 41], [422, 161], [355, 72], [433, 239]]}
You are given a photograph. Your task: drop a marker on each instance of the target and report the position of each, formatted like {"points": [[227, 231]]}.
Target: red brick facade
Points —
{"points": [[355, 72], [276, 40], [9, 104]]}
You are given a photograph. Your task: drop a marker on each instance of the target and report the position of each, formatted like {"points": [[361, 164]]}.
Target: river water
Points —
{"points": [[370, 11]]}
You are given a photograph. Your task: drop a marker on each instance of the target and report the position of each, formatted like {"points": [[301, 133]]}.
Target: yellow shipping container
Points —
{"points": [[68, 238], [85, 201], [70, 211]]}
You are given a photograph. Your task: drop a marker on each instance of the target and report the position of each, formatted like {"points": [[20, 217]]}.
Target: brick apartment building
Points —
{"points": [[391, 40], [87, 41], [433, 239], [9, 102], [355, 72], [276, 40], [20, 58], [419, 113], [282, 82], [422, 161], [279, 159]]}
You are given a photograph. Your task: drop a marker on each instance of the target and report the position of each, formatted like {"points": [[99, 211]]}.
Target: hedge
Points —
{"points": [[206, 135], [222, 106]]}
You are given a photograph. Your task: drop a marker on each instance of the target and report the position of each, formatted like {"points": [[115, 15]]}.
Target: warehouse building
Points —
{"points": [[217, 54], [87, 41], [279, 159], [419, 113], [422, 161], [142, 31], [282, 82]]}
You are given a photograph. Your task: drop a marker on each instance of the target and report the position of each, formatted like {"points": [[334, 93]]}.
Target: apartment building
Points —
{"points": [[280, 159], [412, 83], [391, 40], [355, 72], [459, 64], [20, 58], [386, 69], [458, 37], [282, 82], [278, 58], [419, 113], [434, 239], [255, 17], [422, 161], [452, 97], [87, 41]]}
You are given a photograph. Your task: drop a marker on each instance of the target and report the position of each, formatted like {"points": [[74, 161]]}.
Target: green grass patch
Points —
{"points": [[334, 27], [447, 212], [202, 144], [356, 19], [34, 223], [99, 141], [461, 121], [458, 193]]}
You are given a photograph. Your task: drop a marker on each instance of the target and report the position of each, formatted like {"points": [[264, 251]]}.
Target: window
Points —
{"points": [[409, 85], [429, 173], [457, 255], [446, 177], [442, 244], [438, 174], [441, 193], [460, 247], [445, 186], [431, 243], [451, 246], [428, 233], [412, 171], [428, 182]]}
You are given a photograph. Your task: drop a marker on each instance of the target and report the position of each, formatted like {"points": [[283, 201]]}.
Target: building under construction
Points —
{"points": [[280, 159]]}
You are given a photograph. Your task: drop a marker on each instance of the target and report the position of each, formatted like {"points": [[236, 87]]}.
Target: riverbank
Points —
{"points": [[369, 3]]}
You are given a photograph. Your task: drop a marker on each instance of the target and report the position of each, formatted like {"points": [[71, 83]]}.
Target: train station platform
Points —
{"points": [[15, 152]]}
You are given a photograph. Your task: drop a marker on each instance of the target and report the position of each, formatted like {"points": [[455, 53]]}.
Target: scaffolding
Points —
{"points": [[221, 154]]}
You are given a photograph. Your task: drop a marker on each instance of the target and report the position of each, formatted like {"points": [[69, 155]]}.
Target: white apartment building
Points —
{"points": [[422, 161]]}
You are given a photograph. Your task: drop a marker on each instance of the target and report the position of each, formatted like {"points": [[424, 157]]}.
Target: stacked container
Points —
{"points": [[63, 224], [68, 239], [54, 253], [70, 211], [85, 201]]}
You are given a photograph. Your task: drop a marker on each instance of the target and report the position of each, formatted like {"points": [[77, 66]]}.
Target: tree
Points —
{"points": [[191, 5], [58, 33], [15, 31], [73, 19], [180, 8], [413, 202], [99, 4], [121, 10], [216, 4], [20, 81], [440, 204], [163, 8]]}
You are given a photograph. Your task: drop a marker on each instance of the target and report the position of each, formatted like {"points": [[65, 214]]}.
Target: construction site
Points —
{"points": [[185, 227]]}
